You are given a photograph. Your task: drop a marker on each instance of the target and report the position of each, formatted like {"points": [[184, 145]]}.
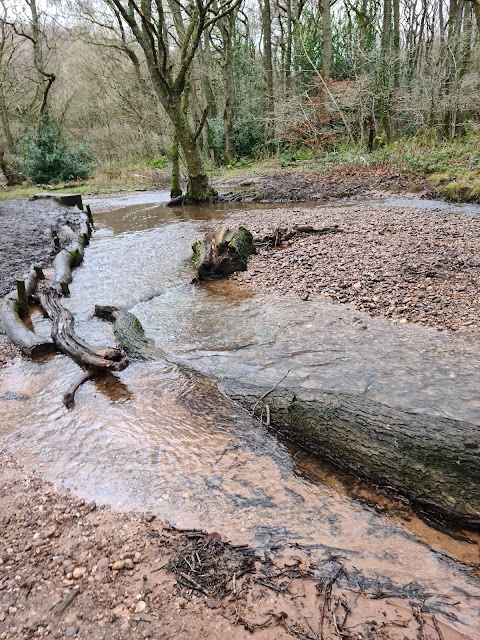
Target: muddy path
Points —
{"points": [[300, 185]]}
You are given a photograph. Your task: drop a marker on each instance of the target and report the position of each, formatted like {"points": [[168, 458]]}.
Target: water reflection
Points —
{"points": [[161, 439]]}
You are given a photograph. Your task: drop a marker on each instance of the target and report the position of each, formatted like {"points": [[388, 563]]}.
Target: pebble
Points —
{"points": [[141, 606], [78, 573], [119, 565], [71, 631]]}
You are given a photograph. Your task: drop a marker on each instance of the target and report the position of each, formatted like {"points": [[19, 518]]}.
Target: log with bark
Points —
{"points": [[11, 310], [434, 461], [282, 234], [222, 253], [66, 341]]}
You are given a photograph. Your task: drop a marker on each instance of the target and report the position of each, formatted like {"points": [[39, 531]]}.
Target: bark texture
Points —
{"points": [[26, 340], [432, 460], [66, 341], [219, 255]]}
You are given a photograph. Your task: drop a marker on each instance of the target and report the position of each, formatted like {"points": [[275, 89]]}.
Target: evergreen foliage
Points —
{"points": [[47, 157]]}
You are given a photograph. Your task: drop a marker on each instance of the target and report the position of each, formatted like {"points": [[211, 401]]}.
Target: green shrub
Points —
{"points": [[48, 158]]}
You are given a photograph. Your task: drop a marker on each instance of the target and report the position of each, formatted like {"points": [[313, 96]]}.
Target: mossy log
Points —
{"points": [[66, 341], [17, 332], [434, 461], [220, 254]]}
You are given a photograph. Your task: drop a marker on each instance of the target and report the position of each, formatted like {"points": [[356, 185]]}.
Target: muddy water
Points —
{"points": [[158, 439]]}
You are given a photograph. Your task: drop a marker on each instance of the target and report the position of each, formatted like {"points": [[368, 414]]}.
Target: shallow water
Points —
{"points": [[155, 438]]}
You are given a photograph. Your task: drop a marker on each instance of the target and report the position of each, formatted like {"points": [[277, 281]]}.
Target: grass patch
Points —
{"points": [[109, 178]]}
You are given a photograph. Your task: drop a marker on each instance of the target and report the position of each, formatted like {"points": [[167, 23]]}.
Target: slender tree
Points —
{"points": [[169, 69]]}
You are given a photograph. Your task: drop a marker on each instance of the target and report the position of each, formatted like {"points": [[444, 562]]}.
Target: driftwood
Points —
{"points": [[66, 341], [432, 460], [10, 316], [280, 235], [67, 199], [222, 253]]}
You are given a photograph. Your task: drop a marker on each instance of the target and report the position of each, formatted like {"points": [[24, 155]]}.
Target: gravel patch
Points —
{"points": [[407, 264]]}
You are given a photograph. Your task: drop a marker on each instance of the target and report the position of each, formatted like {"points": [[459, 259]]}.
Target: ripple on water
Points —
{"points": [[155, 438]]}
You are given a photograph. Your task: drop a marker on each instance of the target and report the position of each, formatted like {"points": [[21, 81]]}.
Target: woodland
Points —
{"points": [[98, 84]]}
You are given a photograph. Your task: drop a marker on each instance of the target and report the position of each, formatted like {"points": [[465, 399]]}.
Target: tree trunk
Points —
{"points": [[227, 26], [268, 69], [288, 49], [175, 186], [198, 184], [385, 98], [432, 460], [327, 40]]}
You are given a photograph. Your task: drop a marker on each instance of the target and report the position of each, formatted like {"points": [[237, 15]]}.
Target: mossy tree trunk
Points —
{"points": [[169, 62], [175, 186]]}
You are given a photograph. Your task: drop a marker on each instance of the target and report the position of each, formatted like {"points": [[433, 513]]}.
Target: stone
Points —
{"points": [[78, 573], [119, 565], [141, 606], [71, 631]]}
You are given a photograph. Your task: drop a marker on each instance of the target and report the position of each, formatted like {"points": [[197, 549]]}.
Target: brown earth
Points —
{"points": [[410, 265], [297, 185]]}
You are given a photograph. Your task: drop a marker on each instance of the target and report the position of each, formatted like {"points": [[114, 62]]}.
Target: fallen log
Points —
{"points": [[66, 341], [222, 253], [280, 235], [431, 460], [11, 311], [67, 199]]}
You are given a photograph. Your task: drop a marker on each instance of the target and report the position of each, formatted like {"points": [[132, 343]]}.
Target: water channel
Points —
{"points": [[152, 438]]}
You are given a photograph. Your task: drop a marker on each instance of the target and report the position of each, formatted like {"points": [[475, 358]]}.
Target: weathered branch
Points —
{"points": [[66, 341]]}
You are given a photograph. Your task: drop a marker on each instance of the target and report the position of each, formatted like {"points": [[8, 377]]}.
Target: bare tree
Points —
{"points": [[169, 63]]}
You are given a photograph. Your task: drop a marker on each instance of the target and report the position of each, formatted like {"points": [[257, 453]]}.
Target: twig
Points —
{"points": [[417, 614], [326, 594], [437, 628], [59, 608], [268, 392]]}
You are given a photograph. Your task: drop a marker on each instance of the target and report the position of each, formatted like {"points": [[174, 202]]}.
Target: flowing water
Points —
{"points": [[156, 438]]}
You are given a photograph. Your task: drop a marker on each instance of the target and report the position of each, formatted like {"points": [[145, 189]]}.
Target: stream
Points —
{"points": [[155, 439]]}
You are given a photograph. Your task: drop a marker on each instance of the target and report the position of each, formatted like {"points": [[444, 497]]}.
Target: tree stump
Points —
{"points": [[220, 254]]}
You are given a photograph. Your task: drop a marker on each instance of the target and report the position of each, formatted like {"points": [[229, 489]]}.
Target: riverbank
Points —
{"points": [[26, 238], [71, 569], [408, 264]]}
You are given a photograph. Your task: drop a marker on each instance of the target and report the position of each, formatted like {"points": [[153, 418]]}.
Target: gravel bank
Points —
{"points": [[407, 264], [25, 233]]}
